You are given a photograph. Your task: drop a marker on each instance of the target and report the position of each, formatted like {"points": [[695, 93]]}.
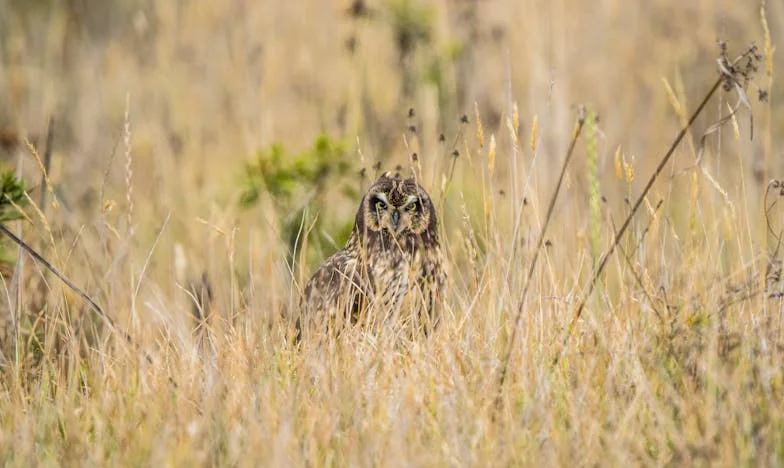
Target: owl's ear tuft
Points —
{"points": [[386, 175], [414, 184], [359, 220]]}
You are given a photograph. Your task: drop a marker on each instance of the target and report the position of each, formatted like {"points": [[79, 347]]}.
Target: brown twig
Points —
{"points": [[531, 268], [40, 259], [93, 305], [727, 77], [606, 257]]}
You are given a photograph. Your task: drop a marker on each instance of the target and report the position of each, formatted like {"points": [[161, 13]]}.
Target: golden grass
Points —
{"points": [[677, 358]]}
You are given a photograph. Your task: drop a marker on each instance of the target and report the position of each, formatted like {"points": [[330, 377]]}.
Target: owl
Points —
{"points": [[391, 270]]}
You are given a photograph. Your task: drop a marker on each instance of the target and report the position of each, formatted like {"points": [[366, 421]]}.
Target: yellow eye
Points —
{"points": [[412, 207], [380, 205]]}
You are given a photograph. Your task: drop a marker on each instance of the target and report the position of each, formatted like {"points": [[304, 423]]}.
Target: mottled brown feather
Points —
{"points": [[391, 270]]}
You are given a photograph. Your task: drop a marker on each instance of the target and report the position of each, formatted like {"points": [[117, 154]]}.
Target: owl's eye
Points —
{"points": [[412, 207], [380, 205]]}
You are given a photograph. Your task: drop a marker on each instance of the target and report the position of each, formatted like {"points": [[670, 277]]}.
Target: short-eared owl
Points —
{"points": [[391, 269]]}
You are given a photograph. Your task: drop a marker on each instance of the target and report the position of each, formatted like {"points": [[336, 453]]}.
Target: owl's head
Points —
{"points": [[398, 206]]}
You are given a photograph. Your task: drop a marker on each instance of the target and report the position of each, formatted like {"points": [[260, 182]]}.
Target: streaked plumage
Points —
{"points": [[391, 269]]}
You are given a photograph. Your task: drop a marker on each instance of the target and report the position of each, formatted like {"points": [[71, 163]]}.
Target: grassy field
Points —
{"points": [[206, 156]]}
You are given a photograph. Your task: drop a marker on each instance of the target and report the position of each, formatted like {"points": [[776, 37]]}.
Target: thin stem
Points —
{"points": [[606, 257], [532, 267]]}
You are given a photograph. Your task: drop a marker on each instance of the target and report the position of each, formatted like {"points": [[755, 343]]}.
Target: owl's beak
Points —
{"points": [[395, 219]]}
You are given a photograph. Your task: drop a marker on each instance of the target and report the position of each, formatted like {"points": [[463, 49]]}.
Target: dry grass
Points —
{"points": [[678, 356]]}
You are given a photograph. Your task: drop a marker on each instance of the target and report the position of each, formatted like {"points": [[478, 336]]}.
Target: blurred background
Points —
{"points": [[205, 156], [233, 123], [207, 86]]}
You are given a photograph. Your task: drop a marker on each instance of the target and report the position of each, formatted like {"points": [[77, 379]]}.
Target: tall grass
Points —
{"points": [[676, 359]]}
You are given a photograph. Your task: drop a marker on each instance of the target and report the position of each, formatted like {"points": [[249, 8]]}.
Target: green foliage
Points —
{"points": [[13, 195], [297, 184], [11, 198], [280, 174]]}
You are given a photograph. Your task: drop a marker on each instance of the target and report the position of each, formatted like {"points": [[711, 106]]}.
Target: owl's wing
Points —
{"points": [[338, 289], [432, 285]]}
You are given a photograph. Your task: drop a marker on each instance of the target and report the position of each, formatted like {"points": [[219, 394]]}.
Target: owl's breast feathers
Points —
{"points": [[381, 274], [407, 273]]}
